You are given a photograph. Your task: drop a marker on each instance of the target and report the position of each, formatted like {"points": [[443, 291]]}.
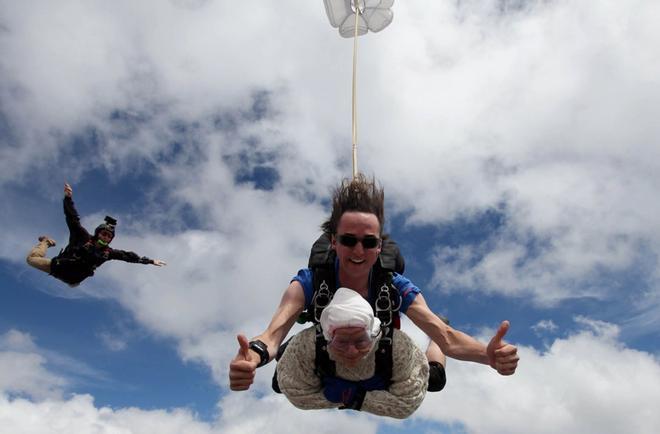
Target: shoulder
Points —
{"points": [[405, 351], [407, 290], [301, 346], [305, 277]]}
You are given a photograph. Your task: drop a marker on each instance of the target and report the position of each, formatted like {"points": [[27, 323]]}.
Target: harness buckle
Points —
{"points": [[321, 300], [383, 306]]}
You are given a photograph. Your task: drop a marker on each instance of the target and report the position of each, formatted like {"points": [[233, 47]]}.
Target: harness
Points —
{"points": [[384, 299], [86, 254]]}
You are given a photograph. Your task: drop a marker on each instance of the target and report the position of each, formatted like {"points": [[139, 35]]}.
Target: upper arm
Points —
{"points": [[291, 305], [123, 255], [73, 219]]}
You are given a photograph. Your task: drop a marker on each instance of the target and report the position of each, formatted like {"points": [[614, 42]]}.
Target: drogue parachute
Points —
{"points": [[374, 15]]}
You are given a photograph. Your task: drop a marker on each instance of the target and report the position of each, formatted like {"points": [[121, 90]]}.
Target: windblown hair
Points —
{"points": [[359, 194]]}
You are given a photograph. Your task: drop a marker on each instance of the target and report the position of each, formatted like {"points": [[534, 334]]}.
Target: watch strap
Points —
{"points": [[262, 349]]}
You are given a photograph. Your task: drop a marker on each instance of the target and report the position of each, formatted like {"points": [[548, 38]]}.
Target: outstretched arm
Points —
{"points": [[77, 233], [296, 374], [126, 256], [498, 354], [242, 370]]}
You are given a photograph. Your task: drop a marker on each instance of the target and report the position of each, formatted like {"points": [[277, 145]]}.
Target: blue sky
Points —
{"points": [[517, 143]]}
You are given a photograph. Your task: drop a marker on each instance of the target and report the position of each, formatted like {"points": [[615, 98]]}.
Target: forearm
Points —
{"points": [[309, 400], [296, 376], [454, 343], [291, 305], [410, 373], [462, 346], [72, 217], [126, 256]]}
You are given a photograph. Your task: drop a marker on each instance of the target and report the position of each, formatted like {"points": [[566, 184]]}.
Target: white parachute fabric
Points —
{"points": [[374, 15]]}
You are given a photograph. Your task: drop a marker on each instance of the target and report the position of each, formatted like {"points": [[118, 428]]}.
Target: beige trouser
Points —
{"points": [[37, 257]]}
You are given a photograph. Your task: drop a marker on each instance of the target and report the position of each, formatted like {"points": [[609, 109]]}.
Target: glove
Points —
{"points": [[339, 390], [373, 383]]}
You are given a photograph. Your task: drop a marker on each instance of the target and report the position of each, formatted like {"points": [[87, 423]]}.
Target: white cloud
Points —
{"points": [[79, 415], [23, 371], [545, 326], [587, 382]]}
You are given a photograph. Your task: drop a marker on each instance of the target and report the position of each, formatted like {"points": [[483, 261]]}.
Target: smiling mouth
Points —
{"points": [[356, 261]]}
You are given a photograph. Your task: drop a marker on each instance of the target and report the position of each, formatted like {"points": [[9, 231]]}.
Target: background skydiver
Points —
{"points": [[85, 252]]}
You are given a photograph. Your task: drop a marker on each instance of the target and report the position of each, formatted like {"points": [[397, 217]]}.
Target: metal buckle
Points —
{"points": [[321, 300], [384, 304]]}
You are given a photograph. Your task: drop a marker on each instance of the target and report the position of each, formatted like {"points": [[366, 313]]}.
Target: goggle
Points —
{"points": [[368, 242], [362, 343]]}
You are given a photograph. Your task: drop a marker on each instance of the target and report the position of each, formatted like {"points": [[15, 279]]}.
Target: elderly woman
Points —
{"points": [[352, 333]]}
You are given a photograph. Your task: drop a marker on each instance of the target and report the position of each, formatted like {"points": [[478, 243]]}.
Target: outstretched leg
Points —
{"points": [[37, 256]]}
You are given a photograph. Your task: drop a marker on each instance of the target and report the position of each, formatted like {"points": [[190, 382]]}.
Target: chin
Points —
{"points": [[351, 363]]}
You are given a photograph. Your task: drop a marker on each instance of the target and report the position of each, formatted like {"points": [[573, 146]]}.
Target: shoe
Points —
{"points": [[51, 242]]}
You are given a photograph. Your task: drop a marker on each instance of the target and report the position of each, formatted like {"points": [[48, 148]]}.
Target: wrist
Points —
{"points": [[261, 349]]}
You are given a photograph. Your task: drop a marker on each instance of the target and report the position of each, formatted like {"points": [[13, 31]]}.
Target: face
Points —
{"points": [[349, 345], [357, 260], [105, 236]]}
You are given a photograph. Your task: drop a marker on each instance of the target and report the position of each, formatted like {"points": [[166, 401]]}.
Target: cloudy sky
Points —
{"points": [[517, 142]]}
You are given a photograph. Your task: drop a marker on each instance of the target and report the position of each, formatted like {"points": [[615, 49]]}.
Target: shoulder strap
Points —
{"points": [[387, 302], [323, 366], [391, 257]]}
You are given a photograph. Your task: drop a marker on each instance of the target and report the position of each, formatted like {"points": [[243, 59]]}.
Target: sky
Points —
{"points": [[517, 142]]}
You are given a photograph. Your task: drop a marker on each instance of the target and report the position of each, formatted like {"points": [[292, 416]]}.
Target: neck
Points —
{"points": [[359, 284]]}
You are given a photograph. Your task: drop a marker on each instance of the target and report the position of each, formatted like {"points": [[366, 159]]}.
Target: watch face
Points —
{"points": [[261, 349]]}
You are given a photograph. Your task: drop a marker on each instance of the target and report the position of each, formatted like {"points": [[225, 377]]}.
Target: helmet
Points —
{"points": [[109, 226]]}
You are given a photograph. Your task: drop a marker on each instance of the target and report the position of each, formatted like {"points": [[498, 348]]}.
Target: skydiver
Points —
{"points": [[355, 228], [351, 340], [85, 252]]}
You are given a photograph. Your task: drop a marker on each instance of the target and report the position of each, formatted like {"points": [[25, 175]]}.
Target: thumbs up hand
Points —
{"points": [[502, 357], [244, 366]]}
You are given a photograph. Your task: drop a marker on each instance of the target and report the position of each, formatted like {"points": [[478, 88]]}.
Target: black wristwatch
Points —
{"points": [[262, 349]]}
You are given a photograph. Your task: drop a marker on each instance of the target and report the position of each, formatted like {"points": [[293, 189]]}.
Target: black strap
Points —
{"points": [[323, 366]]}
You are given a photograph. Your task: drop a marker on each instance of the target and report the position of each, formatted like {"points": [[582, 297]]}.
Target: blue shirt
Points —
{"points": [[407, 290]]}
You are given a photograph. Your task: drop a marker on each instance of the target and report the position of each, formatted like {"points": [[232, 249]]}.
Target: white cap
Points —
{"points": [[348, 309]]}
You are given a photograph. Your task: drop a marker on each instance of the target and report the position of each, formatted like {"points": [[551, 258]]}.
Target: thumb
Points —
{"points": [[504, 327], [244, 347]]}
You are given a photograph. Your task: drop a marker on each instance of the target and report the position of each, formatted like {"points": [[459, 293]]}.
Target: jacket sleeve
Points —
{"points": [[126, 256], [410, 377], [76, 230], [296, 376]]}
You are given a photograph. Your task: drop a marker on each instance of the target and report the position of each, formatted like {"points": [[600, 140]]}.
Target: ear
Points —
{"points": [[333, 242]]}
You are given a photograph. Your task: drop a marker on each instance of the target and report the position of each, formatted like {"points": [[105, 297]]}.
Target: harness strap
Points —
{"points": [[386, 307]]}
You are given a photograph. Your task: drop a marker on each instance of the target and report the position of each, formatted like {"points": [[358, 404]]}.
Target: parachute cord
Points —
{"points": [[354, 102]]}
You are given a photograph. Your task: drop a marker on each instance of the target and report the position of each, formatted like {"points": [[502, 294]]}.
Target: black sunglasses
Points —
{"points": [[368, 242]]}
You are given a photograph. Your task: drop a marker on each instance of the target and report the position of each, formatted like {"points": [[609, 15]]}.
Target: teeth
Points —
{"points": [[356, 261]]}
